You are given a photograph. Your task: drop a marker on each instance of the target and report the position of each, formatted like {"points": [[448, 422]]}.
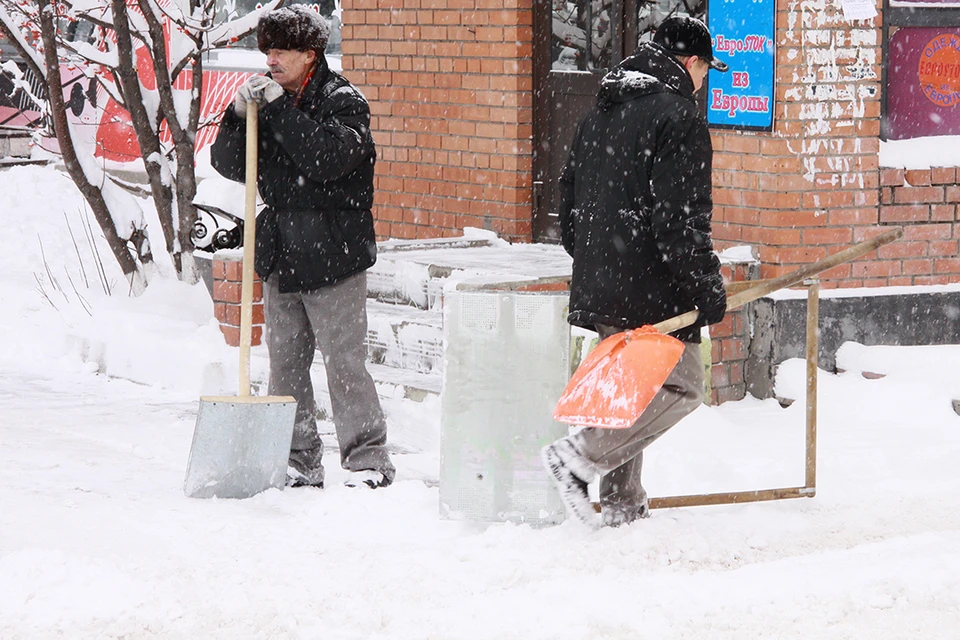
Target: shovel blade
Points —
{"points": [[617, 381], [240, 446]]}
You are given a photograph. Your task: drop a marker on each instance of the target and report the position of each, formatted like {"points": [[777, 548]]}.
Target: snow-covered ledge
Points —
{"points": [[920, 153]]}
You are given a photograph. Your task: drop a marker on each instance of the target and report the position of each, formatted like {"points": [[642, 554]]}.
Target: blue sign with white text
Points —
{"points": [[742, 31]]}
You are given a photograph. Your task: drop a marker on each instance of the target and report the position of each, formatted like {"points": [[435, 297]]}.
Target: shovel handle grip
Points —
{"points": [[249, 240], [677, 322], [786, 280]]}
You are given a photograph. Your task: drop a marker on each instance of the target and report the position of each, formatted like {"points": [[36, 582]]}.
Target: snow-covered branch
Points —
{"points": [[148, 56], [93, 54], [232, 30], [20, 84], [14, 31]]}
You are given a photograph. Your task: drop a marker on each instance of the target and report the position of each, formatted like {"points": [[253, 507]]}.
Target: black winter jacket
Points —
{"points": [[636, 201], [315, 174]]}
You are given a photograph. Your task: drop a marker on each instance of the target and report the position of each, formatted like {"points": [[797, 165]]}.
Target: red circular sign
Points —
{"points": [[939, 71]]}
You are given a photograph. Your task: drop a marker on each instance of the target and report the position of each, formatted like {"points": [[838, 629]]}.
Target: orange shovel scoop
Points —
{"points": [[637, 361]]}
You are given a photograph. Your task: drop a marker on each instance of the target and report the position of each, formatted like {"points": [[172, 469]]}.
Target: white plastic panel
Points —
{"points": [[506, 362]]}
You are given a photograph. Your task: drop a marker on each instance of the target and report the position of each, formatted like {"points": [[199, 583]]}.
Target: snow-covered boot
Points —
{"points": [[368, 478], [618, 515], [573, 473], [305, 469]]}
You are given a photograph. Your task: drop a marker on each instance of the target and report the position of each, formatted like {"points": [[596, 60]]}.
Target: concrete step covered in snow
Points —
{"points": [[404, 340], [404, 336], [405, 299], [14, 144], [412, 272], [6, 163]]}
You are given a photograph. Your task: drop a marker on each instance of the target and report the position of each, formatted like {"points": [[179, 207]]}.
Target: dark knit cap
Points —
{"points": [[686, 36], [297, 27]]}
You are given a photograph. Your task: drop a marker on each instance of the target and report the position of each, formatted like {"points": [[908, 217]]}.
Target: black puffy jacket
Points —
{"points": [[315, 174], [636, 201]]}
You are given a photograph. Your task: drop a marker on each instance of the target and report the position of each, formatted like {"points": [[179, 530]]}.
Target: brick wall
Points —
{"points": [[450, 84], [450, 87], [925, 203], [812, 185]]}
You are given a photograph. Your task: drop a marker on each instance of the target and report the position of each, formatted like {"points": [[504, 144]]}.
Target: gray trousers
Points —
{"points": [[618, 453], [333, 319]]}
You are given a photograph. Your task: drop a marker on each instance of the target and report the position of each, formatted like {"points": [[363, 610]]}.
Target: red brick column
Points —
{"points": [[450, 85], [227, 279], [728, 345]]}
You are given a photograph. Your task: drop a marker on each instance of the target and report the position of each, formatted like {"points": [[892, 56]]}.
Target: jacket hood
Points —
{"points": [[649, 69]]}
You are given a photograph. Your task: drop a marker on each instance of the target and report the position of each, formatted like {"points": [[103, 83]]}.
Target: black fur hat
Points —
{"points": [[297, 27]]}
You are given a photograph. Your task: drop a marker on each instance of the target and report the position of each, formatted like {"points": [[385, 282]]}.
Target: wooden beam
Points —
{"points": [[790, 279], [736, 497]]}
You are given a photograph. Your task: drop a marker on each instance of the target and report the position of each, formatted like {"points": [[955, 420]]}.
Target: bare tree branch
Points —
{"points": [[29, 55], [146, 128], [175, 36], [92, 194]]}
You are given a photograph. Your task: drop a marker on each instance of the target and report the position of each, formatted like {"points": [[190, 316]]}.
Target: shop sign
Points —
{"points": [[743, 97], [939, 72], [923, 83]]}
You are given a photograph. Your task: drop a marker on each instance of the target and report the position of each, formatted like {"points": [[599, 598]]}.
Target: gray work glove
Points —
{"points": [[259, 89]]}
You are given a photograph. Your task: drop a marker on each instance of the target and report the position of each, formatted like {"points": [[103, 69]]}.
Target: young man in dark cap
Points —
{"points": [[315, 238], [635, 215]]}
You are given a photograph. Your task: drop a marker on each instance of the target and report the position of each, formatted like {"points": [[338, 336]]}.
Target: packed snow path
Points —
{"points": [[97, 540]]}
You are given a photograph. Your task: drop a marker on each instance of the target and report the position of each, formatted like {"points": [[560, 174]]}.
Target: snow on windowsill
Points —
{"points": [[920, 153]]}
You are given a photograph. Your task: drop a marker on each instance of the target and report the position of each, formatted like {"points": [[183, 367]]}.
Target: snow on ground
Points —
{"points": [[98, 541]]}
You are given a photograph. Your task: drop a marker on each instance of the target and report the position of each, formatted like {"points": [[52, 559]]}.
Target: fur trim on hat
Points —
{"points": [[296, 27]]}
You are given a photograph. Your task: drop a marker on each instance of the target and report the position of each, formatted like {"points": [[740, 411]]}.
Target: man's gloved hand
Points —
{"points": [[714, 307], [240, 104], [259, 89]]}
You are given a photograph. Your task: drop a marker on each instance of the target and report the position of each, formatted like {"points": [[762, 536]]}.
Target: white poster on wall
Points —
{"points": [[858, 10], [933, 4]]}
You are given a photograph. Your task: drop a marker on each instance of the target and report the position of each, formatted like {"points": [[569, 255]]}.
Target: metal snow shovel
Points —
{"points": [[616, 382], [241, 444]]}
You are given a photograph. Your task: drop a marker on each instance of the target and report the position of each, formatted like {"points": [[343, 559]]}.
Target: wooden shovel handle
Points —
{"points": [[249, 240], [766, 287]]}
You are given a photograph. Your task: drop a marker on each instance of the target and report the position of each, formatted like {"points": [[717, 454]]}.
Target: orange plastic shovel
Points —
{"points": [[615, 383], [618, 379]]}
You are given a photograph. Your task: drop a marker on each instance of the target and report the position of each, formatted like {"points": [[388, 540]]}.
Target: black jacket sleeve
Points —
{"points": [[680, 183], [328, 146], [568, 196], [228, 152]]}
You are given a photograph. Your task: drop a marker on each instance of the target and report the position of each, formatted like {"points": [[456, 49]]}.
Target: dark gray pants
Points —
{"points": [[333, 319], [618, 453]]}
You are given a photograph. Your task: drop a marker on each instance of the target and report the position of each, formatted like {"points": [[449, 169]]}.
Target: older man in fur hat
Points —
{"points": [[315, 238]]}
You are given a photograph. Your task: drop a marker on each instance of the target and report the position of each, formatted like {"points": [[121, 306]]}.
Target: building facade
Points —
{"points": [[475, 102]]}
